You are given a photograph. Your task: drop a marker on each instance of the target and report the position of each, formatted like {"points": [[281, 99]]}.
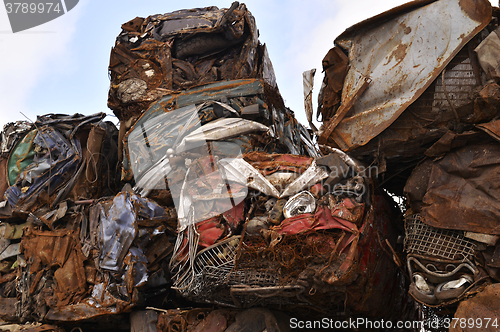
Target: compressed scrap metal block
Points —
{"points": [[425, 113], [382, 81], [48, 163], [325, 252], [167, 53]]}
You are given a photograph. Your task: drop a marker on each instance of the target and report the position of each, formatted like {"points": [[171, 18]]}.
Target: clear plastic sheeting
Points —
{"points": [[119, 227]]}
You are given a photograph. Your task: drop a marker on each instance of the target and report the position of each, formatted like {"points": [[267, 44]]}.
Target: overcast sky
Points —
{"points": [[62, 66]]}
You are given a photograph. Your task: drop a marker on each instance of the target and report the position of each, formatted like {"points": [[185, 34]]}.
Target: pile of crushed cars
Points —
{"points": [[211, 208]]}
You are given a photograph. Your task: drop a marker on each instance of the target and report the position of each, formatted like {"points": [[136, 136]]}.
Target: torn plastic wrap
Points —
{"points": [[119, 227]]}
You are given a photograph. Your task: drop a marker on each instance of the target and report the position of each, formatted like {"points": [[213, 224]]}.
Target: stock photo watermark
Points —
{"points": [[24, 15]]}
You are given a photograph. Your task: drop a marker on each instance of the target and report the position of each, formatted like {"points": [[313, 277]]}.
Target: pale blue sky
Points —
{"points": [[61, 66]]}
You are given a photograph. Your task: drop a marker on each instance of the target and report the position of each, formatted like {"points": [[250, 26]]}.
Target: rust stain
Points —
{"points": [[398, 54], [478, 10]]}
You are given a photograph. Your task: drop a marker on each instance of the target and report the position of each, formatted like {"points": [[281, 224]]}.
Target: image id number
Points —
{"points": [[27, 7]]}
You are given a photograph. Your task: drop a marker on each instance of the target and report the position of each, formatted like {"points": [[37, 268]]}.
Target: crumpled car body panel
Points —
{"points": [[404, 59]]}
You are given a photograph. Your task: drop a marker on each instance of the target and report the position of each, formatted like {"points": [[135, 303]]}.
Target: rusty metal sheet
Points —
{"points": [[402, 57], [430, 117], [57, 250], [8, 308], [460, 191], [488, 53], [491, 128], [80, 311], [482, 308], [308, 84], [335, 65], [71, 280]]}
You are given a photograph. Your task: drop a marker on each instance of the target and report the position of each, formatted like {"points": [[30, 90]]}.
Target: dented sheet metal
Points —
{"points": [[460, 191], [407, 54], [434, 115], [485, 304]]}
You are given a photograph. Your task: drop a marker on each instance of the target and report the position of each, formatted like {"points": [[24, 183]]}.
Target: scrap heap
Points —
{"points": [[421, 102], [211, 193]]}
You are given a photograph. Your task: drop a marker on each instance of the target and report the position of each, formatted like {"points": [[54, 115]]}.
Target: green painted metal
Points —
{"points": [[21, 156]]}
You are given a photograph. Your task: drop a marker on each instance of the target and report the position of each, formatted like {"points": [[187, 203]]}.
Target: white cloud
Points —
{"points": [[25, 57]]}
